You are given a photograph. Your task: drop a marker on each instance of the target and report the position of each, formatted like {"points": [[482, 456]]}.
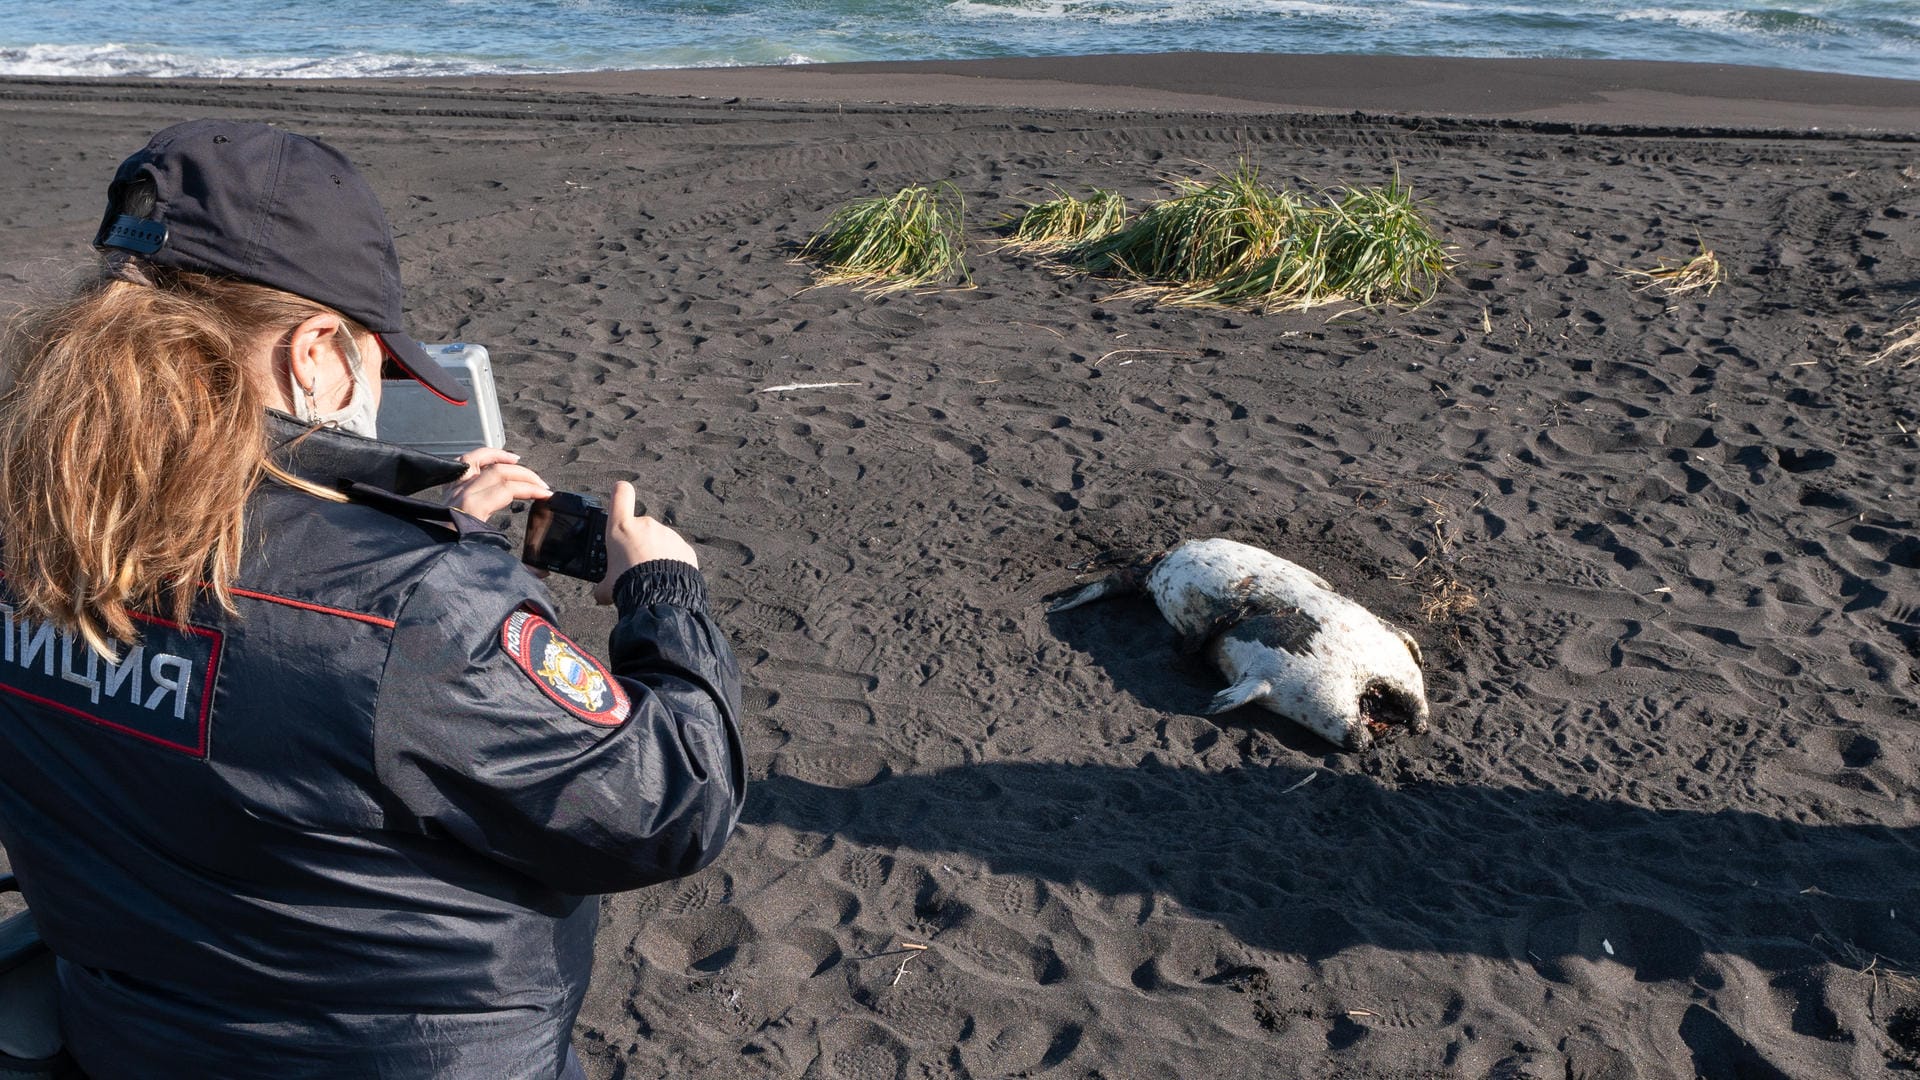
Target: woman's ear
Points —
{"points": [[315, 362]]}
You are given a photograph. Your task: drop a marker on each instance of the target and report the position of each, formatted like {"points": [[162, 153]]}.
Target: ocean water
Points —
{"points": [[350, 38]]}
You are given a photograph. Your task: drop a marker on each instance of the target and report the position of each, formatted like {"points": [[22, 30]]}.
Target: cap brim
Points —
{"points": [[424, 369]]}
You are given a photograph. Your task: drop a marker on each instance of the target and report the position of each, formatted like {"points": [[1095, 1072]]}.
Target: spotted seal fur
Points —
{"points": [[1282, 637]]}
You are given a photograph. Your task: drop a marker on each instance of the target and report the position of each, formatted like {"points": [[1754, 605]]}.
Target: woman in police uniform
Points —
{"points": [[298, 775]]}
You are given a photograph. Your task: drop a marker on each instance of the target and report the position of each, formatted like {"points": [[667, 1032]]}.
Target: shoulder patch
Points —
{"points": [[568, 675]]}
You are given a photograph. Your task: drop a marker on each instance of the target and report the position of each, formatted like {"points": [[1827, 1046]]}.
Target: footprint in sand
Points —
{"points": [[866, 870], [862, 1050], [699, 894]]}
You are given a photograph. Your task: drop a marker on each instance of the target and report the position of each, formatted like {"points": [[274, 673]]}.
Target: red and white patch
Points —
{"points": [[567, 673]]}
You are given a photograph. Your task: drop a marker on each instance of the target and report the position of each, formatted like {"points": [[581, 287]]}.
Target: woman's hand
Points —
{"points": [[494, 480], [632, 540]]}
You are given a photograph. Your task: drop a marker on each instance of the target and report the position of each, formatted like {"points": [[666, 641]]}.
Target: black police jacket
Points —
{"points": [[355, 829]]}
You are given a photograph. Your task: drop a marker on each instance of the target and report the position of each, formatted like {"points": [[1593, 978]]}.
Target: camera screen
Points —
{"points": [[566, 534], [552, 537]]}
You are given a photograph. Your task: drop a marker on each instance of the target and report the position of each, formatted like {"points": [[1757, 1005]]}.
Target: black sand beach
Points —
{"points": [[1664, 826]]}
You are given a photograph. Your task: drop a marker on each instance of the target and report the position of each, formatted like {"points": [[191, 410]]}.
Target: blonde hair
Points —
{"points": [[132, 433]]}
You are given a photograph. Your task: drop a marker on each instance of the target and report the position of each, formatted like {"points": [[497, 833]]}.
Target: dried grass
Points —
{"points": [[1444, 597], [1675, 278], [1907, 341], [1884, 974]]}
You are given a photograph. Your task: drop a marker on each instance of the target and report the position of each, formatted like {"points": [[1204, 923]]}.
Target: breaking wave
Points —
{"points": [[372, 38]]}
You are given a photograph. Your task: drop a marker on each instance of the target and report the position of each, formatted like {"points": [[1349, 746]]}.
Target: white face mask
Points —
{"points": [[360, 415]]}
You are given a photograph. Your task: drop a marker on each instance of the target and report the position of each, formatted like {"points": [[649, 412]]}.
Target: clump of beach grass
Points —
{"points": [[1370, 247], [887, 243], [1381, 248], [1674, 277], [1065, 222], [1207, 232], [1238, 242]]}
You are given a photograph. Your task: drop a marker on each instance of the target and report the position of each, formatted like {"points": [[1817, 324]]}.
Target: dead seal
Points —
{"points": [[1282, 637]]}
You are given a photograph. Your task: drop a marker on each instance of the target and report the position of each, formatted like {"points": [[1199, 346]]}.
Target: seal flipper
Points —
{"points": [[1087, 594], [1126, 580], [1250, 688]]}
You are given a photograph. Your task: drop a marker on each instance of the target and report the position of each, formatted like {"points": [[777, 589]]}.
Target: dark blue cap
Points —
{"points": [[251, 201]]}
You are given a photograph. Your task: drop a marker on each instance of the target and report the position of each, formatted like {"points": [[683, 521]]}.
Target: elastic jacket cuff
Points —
{"points": [[662, 581]]}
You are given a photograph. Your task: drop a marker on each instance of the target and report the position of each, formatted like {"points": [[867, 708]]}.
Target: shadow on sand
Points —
{"points": [[1529, 875], [1541, 877]]}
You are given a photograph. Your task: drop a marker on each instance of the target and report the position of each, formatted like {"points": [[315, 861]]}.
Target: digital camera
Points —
{"points": [[567, 534]]}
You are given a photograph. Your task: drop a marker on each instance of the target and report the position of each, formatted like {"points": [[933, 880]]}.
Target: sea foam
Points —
{"points": [[115, 60], [364, 38]]}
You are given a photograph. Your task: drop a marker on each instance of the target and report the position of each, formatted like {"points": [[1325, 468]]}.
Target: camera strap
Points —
{"points": [[412, 509]]}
